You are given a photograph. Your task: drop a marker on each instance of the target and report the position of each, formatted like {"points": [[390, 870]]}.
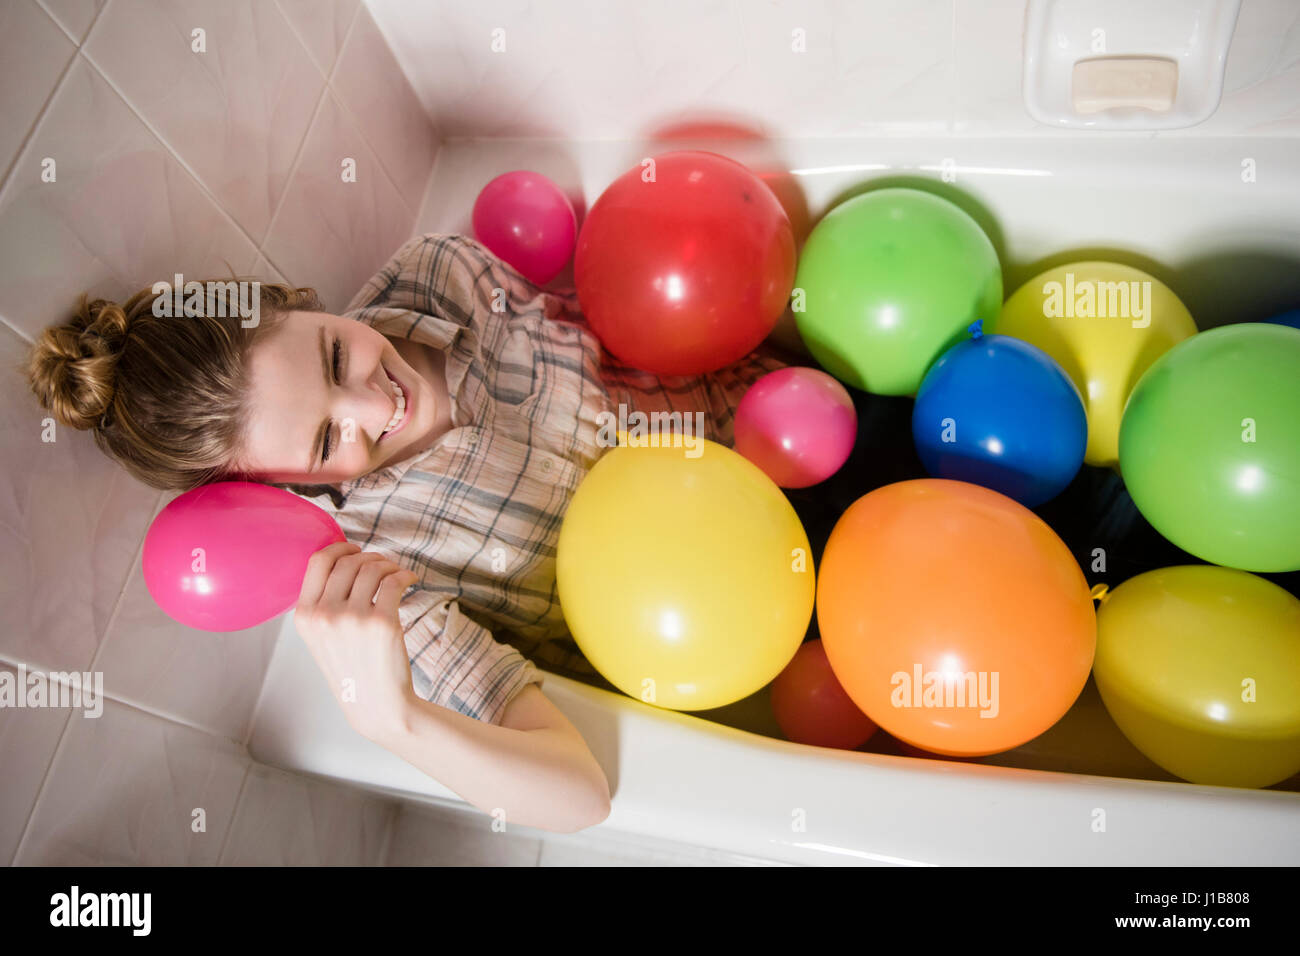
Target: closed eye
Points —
{"points": [[329, 429]]}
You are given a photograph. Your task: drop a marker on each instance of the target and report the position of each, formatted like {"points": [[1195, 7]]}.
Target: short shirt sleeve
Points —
{"points": [[457, 663]]}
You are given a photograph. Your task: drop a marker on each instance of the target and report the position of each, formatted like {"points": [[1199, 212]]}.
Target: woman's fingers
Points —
{"points": [[367, 583], [391, 589], [341, 573], [346, 569], [319, 567]]}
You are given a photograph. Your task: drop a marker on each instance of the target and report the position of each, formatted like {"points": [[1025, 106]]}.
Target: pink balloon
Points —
{"points": [[231, 555], [525, 220], [798, 425]]}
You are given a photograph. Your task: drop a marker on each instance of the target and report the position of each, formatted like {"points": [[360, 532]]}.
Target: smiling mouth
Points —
{"points": [[402, 410]]}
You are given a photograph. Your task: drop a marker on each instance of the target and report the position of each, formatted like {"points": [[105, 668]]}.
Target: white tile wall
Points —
{"points": [[71, 523], [254, 83], [287, 819], [782, 68], [169, 160], [131, 788], [28, 738]]}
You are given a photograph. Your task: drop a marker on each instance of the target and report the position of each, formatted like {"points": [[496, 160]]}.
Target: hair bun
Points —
{"points": [[73, 366]]}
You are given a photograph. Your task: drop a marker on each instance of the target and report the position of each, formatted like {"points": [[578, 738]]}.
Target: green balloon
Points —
{"points": [[1209, 446], [891, 279]]}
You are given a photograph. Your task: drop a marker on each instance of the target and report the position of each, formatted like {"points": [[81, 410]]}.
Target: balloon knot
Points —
{"points": [[1101, 592], [976, 328]]}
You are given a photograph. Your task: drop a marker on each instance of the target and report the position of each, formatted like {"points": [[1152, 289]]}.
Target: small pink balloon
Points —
{"points": [[231, 555], [798, 425], [527, 221]]}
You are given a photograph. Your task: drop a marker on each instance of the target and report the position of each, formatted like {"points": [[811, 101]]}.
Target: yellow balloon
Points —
{"points": [[684, 574], [1200, 667], [1105, 324]]}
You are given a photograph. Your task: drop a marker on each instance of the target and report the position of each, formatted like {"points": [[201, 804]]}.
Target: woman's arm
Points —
{"points": [[534, 769]]}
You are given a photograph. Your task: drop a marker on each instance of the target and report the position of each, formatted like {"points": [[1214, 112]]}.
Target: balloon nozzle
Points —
{"points": [[1101, 593], [976, 328]]}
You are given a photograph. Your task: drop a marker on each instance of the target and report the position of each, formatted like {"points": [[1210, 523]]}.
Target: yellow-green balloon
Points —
{"points": [[889, 280], [1209, 446], [684, 574], [1104, 323], [1200, 667]]}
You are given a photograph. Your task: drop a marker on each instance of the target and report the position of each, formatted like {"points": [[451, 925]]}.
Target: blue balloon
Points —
{"points": [[999, 412], [1291, 318]]}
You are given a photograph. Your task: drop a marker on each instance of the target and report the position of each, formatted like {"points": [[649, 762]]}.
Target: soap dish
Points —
{"points": [[1123, 65]]}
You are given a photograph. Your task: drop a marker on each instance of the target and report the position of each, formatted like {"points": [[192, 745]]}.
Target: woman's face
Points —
{"points": [[324, 406]]}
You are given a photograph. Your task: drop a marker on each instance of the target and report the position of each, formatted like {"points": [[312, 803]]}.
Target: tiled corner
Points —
{"points": [[74, 16], [287, 819], [131, 789], [71, 523], [371, 85], [208, 680], [236, 112], [121, 213], [322, 25], [331, 233], [33, 52], [266, 272]]}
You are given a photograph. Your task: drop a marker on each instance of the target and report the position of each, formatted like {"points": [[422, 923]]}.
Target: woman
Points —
{"points": [[445, 420]]}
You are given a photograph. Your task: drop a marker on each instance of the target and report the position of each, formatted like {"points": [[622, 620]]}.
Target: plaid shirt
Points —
{"points": [[477, 515]]}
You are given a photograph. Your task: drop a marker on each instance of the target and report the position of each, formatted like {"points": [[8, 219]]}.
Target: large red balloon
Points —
{"points": [[812, 708], [688, 271]]}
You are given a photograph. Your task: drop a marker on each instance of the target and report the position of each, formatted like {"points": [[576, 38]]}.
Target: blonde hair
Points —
{"points": [[165, 396]]}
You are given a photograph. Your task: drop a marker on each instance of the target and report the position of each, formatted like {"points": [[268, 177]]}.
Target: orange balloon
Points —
{"points": [[954, 617], [811, 707]]}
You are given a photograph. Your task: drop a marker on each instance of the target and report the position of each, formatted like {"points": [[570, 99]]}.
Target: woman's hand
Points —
{"points": [[358, 645]]}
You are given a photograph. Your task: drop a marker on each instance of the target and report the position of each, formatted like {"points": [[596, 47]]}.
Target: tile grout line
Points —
{"points": [[45, 776], [126, 582], [9, 171], [390, 828], [33, 667], [167, 147], [266, 676], [329, 91], [352, 28], [234, 813], [289, 175], [428, 183], [63, 734]]}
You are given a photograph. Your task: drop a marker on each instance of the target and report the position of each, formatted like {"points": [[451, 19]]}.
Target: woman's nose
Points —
{"points": [[371, 406]]}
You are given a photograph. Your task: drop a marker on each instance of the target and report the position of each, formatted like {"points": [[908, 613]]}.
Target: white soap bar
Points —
{"points": [[1135, 82]]}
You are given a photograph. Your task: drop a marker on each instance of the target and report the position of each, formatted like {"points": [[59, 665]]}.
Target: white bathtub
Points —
{"points": [[1176, 206]]}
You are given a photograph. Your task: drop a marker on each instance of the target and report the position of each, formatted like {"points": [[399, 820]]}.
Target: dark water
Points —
{"points": [[1095, 511]]}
